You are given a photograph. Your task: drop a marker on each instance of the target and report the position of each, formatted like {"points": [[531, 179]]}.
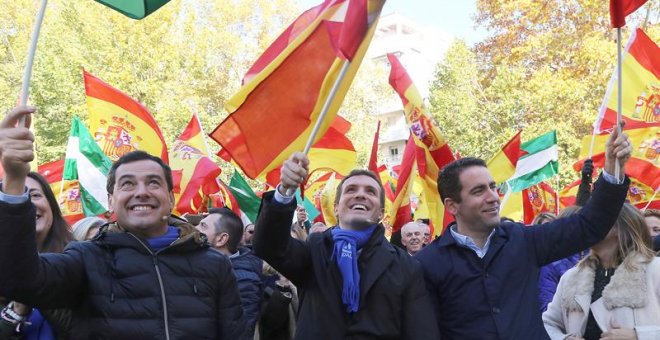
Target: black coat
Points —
{"points": [[113, 283], [394, 302], [248, 268]]}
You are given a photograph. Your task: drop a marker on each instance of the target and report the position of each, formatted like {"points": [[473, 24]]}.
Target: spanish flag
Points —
{"points": [[525, 205], [67, 192], [274, 113], [334, 152], [432, 151], [119, 124], [503, 165], [400, 212], [198, 172], [640, 71]]}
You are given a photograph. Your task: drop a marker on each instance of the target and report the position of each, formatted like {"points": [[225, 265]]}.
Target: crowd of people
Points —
{"points": [[589, 273]]}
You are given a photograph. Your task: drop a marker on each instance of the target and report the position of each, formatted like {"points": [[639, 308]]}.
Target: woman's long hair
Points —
{"points": [[634, 238], [59, 234]]}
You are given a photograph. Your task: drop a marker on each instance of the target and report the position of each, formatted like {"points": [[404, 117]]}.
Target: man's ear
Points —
{"points": [[451, 206], [221, 240], [172, 200]]}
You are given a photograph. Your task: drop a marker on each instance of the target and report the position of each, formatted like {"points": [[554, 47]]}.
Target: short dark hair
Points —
{"points": [[362, 172], [449, 182], [59, 235], [135, 156], [231, 224]]}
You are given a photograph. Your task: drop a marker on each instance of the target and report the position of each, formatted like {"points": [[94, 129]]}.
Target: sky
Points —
{"points": [[455, 17]]}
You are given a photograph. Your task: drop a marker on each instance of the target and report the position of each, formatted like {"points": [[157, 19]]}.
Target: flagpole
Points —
{"points": [[617, 166], [324, 110], [652, 198], [25, 89], [557, 196]]}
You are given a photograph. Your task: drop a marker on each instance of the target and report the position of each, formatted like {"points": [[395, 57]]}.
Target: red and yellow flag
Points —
{"points": [[503, 165], [432, 152], [120, 124], [537, 199], [640, 111], [274, 113], [620, 9], [198, 172], [641, 87], [334, 152], [400, 212], [67, 192]]}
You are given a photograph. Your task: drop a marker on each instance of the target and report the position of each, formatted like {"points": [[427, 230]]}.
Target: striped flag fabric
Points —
{"points": [[431, 149], [334, 152], [401, 212], [120, 124], [539, 161], [67, 192], [503, 165], [640, 71], [198, 172], [274, 113], [86, 163], [247, 200]]}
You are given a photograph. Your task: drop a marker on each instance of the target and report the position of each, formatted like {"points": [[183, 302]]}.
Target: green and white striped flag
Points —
{"points": [[86, 162], [248, 201], [539, 162]]}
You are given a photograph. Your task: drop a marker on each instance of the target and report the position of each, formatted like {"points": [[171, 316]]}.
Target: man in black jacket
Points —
{"points": [[353, 284], [145, 276], [224, 231]]}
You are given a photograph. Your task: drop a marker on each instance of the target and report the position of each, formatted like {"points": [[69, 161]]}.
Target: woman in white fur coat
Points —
{"points": [[614, 293]]}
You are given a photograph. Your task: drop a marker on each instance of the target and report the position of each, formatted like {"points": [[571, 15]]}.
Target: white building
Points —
{"points": [[419, 49]]}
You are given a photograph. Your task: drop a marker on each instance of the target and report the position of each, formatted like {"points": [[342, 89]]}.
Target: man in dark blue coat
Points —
{"points": [[145, 276], [224, 231], [482, 275]]}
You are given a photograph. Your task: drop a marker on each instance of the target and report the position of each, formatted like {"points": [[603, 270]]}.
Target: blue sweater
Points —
{"points": [[497, 297]]}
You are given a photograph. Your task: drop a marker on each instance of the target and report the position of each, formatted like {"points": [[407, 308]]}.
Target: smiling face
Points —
{"points": [[359, 204], [141, 199], [479, 208], [44, 213], [412, 237]]}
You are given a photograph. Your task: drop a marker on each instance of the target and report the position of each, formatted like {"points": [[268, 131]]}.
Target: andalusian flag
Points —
{"points": [[247, 200], [432, 151], [273, 114], [86, 163], [503, 165], [135, 9], [334, 152], [67, 192], [539, 161], [198, 172], [120, 124]]}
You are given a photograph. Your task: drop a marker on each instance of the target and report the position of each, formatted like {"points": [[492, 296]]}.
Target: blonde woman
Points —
{"points": [[613, 293]]}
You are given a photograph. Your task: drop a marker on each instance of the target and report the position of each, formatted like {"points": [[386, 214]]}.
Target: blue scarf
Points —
{"points": [[347, 243], [160, 242], [39, 328]]}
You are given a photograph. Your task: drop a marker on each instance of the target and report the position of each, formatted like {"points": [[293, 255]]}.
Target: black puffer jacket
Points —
{"points": [[117, 288], [247, 268]]}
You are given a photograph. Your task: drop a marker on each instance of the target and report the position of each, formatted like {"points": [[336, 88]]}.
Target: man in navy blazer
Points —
{"points": [[482, 275]]}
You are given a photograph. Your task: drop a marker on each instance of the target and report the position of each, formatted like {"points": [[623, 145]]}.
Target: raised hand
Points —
{"points": [[16, 149], [293, 173], [618, 148]]}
